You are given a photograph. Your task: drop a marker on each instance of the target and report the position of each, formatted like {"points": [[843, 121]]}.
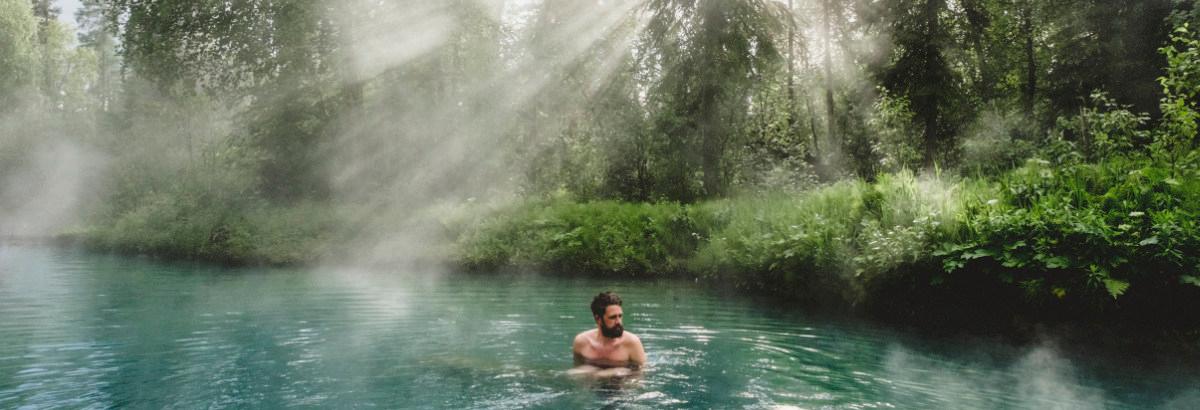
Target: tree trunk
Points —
{"points": [[830, 114], [1030, 86], [791, 56], [977, 23], [933, 138], [712, 147], [45, 13], [814, 153]]}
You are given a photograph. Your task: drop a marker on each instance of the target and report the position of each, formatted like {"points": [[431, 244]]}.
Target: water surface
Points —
{"points": [[81, 330]]}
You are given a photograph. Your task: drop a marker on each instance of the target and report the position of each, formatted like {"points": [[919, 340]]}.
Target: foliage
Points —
{"points": [[1176, 138], [1094, 48], [1079, 236], [817, 245], [17, 31], [921, 73], [774, 155], [1104, 129], [211, 219], [996, 143], [796, 245], [1083, 235], [604, 236], [241, 131], [897, 142], [698, 97]]}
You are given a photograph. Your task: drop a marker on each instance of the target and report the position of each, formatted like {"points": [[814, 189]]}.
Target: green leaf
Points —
{"points": [[1032, 286], [937, 280], [951, 265], [1188, 279], [1013, 261], [1014, 245], [1059, 292], [1056, 262], [1153, 240], [978, 253], [1116, 287]]}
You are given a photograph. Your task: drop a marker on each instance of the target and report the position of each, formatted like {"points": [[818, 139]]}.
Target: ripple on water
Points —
{"points": [[78, 331]]}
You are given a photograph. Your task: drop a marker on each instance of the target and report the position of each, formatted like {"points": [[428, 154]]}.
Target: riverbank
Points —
{"points": [[1106, 245], [1110, 245]]}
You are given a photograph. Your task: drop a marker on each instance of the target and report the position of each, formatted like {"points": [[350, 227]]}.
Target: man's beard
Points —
{"points": [[612, 332]]}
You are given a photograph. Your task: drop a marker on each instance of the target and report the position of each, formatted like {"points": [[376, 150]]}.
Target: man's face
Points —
{"points": [[610, 323]]}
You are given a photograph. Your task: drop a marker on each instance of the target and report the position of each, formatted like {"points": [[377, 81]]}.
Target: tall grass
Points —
{"points": [[796, 242], [606, 236]]}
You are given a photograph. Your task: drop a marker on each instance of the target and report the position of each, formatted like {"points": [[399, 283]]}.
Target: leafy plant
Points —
{"points": [[1175, 140]]}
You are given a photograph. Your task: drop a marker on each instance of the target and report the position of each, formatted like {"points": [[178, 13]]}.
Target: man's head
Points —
{"points": [[606, 309]]}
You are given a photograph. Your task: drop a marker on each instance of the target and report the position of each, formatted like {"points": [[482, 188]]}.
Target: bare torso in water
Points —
{"points": [[599, 355]]}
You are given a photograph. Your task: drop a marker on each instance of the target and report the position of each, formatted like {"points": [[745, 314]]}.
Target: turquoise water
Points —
{"points": [[80, 330]]}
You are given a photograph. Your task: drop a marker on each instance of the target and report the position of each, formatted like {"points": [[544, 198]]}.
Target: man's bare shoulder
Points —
{"points": [[585, 336]]}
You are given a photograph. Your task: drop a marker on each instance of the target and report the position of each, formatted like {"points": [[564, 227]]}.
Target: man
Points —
{"points": [[608, 350]]}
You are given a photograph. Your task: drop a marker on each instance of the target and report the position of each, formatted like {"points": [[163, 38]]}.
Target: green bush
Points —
{"points": [[794, 244], [603, 236], [1105, 129], [998, 142], [1101, 226], [818, 245], [211, 218], [1080, 237]]}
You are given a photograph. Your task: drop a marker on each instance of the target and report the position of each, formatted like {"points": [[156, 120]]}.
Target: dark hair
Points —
{"points": [[602, 301]]}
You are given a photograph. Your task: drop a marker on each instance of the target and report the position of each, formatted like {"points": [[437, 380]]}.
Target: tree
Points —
{"points": [[1107, 45], [49, 38], [831, 136], [920, 73], [95, 33], [17, 33], [279, 57], [707, 57], [58, 63]]}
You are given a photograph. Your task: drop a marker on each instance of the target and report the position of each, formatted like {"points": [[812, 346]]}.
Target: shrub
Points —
{"points": [[998, 142], [1079, 238], [593, 237], [798, 245], [1104, 129], [212, 217]]}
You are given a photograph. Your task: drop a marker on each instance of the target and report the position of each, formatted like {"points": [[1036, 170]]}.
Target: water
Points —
{"points": [[80, 330]]}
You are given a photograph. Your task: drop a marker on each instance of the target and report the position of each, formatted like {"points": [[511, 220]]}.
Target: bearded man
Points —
{"points": [[608, 350]]}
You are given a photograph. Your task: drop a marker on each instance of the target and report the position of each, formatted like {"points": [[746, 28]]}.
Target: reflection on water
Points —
{"points": [[79, 330]]}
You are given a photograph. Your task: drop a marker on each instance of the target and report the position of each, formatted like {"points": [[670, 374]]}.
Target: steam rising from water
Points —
{"points": [[1041, 377], [45, 190]]}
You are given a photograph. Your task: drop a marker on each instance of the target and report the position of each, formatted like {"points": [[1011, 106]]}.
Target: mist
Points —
{"points": [[1045, 375]]}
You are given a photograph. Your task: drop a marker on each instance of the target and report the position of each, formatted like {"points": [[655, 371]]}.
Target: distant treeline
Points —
{"points": [[633, 100]]}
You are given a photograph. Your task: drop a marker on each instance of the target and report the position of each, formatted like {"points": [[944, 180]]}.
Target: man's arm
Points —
{"points": [[577, 349], [637, 354]]}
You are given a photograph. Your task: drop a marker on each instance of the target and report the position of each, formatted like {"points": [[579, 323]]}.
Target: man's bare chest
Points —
{"points": [[613, 352]]}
